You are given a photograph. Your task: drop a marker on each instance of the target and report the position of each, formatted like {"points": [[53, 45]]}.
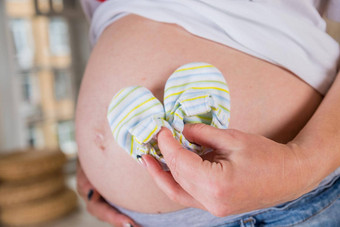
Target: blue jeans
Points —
{"points": [[319, 208]]}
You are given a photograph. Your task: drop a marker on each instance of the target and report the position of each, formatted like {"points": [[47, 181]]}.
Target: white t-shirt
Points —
{"points": [[288, 33]]}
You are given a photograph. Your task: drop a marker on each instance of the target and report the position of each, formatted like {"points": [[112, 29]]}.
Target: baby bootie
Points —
{"points": [[196, 93], [135, 117]]}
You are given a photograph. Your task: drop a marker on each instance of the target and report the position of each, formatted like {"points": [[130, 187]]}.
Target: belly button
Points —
{"points": [[99, 141]]}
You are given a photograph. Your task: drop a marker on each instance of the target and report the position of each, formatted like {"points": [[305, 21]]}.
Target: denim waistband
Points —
{"points": [[196, 217]]}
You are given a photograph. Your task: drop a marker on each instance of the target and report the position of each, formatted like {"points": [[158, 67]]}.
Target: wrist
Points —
{"points": [[315, 162]]}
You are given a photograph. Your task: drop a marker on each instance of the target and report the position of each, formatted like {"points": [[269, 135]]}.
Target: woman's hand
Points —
{"points": [[244, 172], [96, 205]]}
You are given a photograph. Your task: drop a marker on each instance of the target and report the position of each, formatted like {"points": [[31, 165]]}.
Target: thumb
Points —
{"points": [[181, 162], [205, 135]]}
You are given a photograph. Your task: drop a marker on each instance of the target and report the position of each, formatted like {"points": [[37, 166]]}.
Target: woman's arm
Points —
{"points": [[248, 172], [320, 138]]}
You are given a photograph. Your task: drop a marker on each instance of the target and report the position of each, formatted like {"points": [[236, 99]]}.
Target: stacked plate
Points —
{"points": [[32, 188]]}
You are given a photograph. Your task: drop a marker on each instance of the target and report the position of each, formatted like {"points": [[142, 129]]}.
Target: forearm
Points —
{"points": [[320, 138]]}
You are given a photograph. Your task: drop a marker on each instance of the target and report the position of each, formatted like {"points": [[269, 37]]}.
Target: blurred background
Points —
{"points": [[44, 48], [43, 53]]}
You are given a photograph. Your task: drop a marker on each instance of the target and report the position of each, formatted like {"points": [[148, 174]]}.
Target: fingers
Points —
{"points": [[188, 169], [83, 184], [184, 164], [205, 135], [168, 185], [104, 212]]}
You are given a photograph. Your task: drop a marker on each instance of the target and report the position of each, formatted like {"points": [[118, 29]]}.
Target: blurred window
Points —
{"points": [[62, 85], [35, 136], [45, 80], [30, 88], [66, 137], [58, 37], [23, 42], [27, 88]]}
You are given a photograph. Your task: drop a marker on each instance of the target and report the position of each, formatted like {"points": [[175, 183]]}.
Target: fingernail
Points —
{"points": [[141, 161], [128, 225], [90, 194]]}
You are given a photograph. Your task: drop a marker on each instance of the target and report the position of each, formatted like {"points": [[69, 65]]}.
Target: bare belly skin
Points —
{"points": [[265, 99]]}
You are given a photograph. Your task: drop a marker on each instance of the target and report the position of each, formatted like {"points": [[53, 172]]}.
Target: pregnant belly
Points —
{"points": [[265, 99]]}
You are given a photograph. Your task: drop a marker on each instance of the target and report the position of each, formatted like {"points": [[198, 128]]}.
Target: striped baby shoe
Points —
{"points": [[194, 93]]}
